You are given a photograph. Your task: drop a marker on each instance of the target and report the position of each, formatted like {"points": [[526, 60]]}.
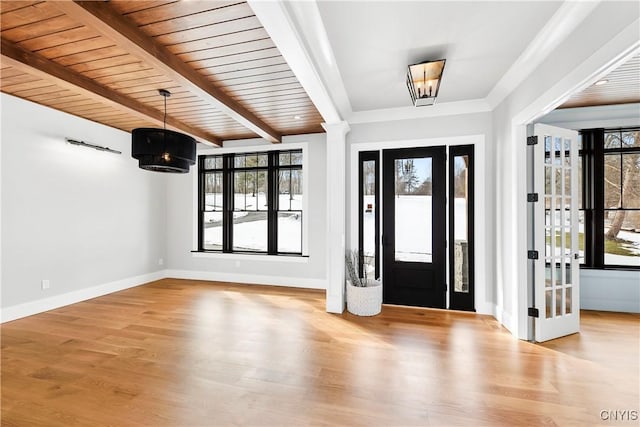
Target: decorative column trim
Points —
{"points": [[336, 213]]}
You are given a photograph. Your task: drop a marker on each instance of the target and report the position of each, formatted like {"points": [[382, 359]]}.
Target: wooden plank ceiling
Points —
{"points": [[622, 87], [105, 61]]}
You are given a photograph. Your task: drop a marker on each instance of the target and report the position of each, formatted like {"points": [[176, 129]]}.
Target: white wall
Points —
{"points": [[610, 290], [78, 217], [261, 269], [575, 63], [444, 130]]}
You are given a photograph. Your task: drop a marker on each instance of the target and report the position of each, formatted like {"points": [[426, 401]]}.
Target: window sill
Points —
{"points": [[301, 259]]}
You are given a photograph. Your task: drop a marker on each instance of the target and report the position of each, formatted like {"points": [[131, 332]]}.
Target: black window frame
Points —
{"points": [[592, 155], [228, 170]]}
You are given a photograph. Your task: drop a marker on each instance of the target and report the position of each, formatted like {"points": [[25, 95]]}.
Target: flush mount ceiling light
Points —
{"points": [[423, 81], [162, 150], [601, 82]]}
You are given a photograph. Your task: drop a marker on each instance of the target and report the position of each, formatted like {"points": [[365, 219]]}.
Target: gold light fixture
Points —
{"points": [[423, 82]]}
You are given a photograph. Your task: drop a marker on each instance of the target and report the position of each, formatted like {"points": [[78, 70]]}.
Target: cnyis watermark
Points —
{"points": [[619, 415]]}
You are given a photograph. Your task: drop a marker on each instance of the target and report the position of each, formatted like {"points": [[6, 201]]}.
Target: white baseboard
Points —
{"points": [[255, 279], [45, 304]]}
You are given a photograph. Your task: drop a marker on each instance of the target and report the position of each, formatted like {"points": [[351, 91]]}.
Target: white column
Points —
{"points": [[336, 213]]}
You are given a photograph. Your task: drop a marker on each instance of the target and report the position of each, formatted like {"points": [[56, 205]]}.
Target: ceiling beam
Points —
{"points": [[101, 17], [307, 50], [39, 66]]}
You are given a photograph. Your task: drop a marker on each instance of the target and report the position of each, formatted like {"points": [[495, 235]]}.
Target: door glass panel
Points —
{"points": [[368, 180], [559, 302], [567, 302], [460, 222], [413, 205], [548, 306]]}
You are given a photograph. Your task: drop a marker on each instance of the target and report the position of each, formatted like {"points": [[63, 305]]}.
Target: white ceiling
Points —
{"points": [[374, 42]]}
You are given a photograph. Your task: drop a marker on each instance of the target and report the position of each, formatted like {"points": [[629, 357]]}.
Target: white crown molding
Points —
{"points": [[557, 29], [408, 113], [275, 17]]}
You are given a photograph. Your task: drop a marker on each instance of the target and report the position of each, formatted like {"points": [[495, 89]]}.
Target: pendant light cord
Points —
{"points": [[164, 121]]}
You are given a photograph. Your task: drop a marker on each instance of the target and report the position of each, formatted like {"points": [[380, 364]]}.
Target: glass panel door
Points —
{"points": [[414, 226]]}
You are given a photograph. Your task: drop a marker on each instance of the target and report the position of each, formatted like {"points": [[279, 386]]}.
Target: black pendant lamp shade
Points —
{"points": [[162, 150]]}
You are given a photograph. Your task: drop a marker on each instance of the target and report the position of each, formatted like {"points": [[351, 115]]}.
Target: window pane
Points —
{"points": [[240, 191], [262, 191], [213, 162], [368, 180], [250, 231], [612, 175], [296, 158], [460, 218], [296, 190], [631, 181], [213, 191], [581, 235], [239, 161], [631, 139], [612, 140], [284, 158], [580, 187], [413, 207], [251, 160], [263, 160], [290, 232], [212, 233], [622, 240], [284, 190]]}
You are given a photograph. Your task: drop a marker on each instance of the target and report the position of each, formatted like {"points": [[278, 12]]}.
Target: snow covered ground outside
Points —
{"points": [[250, 228], [614, 259], [413, 227]]}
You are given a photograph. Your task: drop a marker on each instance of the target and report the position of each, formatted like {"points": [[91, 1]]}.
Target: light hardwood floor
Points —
{"points": [[188, 353]]}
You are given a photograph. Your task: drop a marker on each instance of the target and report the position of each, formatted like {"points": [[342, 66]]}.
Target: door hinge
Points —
{"points": [[532, 254], [532, 140], [533, 312], [532, 197]]}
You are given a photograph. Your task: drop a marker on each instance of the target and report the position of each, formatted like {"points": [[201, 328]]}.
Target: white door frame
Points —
{"points": [[481, 278]]}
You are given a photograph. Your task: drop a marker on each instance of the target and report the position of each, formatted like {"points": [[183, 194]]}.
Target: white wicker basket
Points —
{"points": [[364, 301]]}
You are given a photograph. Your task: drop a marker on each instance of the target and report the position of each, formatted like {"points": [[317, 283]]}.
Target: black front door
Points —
{"points": [[414, 226]]}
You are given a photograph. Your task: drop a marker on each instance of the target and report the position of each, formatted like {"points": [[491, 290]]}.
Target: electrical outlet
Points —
{"points": [[160, 261], [46, 284]]}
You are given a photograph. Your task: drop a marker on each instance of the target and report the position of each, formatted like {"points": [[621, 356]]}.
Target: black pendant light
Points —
{"points": [[162, 150]]}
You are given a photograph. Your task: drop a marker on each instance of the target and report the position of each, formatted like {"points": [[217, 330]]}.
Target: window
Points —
{"points": [[610, 199], [461, 227], [369, 208], [251, 202]]}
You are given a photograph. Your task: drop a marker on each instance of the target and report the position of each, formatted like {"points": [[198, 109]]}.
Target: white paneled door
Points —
{"points": [[556, 233]]}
